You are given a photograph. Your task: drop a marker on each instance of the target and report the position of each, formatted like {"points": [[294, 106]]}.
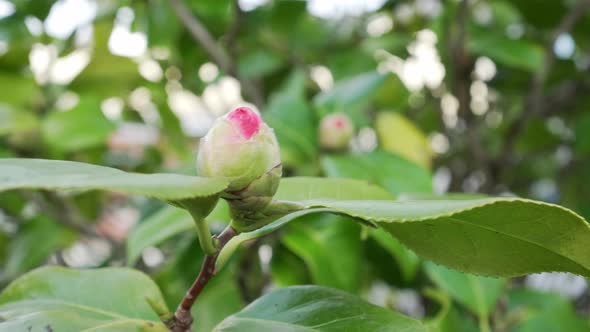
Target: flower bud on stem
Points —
{"points": [[242, 148]]}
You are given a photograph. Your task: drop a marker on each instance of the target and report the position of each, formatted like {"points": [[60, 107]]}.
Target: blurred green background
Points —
{"points": [[478, 97]]}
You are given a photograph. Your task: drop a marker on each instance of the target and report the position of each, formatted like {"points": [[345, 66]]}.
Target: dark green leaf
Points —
{"points": [[313, 308], [317, 239]]}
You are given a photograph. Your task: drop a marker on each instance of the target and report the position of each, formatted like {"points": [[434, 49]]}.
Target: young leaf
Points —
{"points": [[314, 308], [501, 237], [67, 300], [387, 170], [61, 175]]}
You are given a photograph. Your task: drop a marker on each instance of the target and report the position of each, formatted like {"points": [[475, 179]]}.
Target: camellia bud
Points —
{"points": [[241, 147], [336, 131]]}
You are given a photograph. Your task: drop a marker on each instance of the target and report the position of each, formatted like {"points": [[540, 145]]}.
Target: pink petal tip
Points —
{"points": [[247, 120]]}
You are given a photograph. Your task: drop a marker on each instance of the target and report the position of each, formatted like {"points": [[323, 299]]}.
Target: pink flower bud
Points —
{"points": [[336, 131], [241, 147]]}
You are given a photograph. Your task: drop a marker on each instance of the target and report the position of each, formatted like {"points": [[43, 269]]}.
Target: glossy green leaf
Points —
{"points": [[313, 308], [62, 175], [316, 239], [67, 300], [387, 170], [478, 294], [493, 236]]}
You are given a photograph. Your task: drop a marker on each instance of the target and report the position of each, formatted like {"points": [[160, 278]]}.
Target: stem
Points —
{"points": [[484, 324], [204, 235], [182, 320]]}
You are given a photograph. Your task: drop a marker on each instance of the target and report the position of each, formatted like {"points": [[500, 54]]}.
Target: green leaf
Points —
{"points": [[14, 121], [17, 90], [389, 171], [406, 259], [399, 135], [61, 175], [317, 238], [478, 294], [350, 94], [289, 114], [287, 269], [519, 54], [81, 128], [307, 188], [259, 63], [544, 312], [502, 237], [67, 300], [313, 308], [106, 75], [31, 246], [160, 226], [448, 318], [163, 225]]}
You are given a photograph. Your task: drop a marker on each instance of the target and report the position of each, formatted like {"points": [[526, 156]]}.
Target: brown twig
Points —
{"points": [[534, 103], [182, 320], [201, 35]]}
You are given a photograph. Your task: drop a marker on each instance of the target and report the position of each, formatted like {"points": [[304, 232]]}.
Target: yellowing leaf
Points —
{"points": [[399, 135]]}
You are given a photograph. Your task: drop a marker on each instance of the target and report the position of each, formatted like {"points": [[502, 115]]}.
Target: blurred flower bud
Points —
{"points": [[241, 147], [336, 131]]}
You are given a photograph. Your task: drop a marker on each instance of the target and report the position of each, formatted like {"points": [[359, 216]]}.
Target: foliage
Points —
{"points": [[465, 174]]}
